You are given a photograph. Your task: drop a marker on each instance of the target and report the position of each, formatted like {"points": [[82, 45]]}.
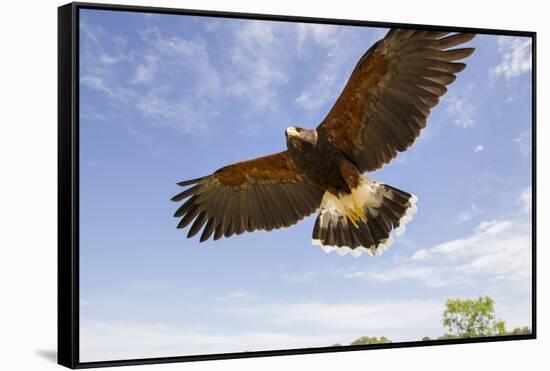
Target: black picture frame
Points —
{"points": [[68, 185]]}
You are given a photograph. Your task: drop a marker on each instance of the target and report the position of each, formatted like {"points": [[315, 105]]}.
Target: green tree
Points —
{"points": [[520, 331], [426, 338], [471, 318], [371, 340]]}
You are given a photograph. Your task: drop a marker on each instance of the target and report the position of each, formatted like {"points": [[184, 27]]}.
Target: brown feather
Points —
{"points": [[208, 230], [453, 40], [183, 208], [191, 213], [264, 193], [188, 192], [197, 225]]}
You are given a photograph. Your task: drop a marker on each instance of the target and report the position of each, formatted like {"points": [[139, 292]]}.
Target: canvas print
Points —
{"points": [[253, 185]]}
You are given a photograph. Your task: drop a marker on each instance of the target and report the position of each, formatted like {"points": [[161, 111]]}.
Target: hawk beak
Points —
{"points": [[292, 132]]}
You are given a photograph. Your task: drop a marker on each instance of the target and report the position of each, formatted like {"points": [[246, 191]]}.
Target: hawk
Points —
{"points": [[380, 112]]}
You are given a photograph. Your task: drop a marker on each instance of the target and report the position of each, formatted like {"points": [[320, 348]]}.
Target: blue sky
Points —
{"points": [[166, 98]]}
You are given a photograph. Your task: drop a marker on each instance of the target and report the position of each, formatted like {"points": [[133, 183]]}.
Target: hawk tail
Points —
{"points": [[364, 219]]}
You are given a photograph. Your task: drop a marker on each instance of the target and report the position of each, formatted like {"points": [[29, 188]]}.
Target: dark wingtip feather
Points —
{"points": [[188, 192], [454, 40], [457, 54], [458, 67], [218, 233], [208, 230], [183, 208], [190, 181], [191, 214], [465, 36], [197, 225]]}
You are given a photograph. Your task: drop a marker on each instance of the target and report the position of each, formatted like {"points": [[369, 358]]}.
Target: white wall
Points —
{"points": [[28, 151]]}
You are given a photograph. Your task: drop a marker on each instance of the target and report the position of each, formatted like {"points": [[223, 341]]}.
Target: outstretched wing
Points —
{"points": [[265, 193], [391, 92]]}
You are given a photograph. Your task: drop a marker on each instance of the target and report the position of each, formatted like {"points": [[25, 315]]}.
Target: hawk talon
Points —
{"points": [[353, 216], [350, 213], [358, 209]]}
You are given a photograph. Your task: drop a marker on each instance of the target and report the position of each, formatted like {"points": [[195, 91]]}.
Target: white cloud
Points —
{"points": [[333, 71], [468, 214], [323, 91], [255, 67], [516, 53], [187, 58], [108, 340], [525, 200], [524, 143], [298, 277], [89, 32], [338, 47], [496, 252], [479, 148], [119, 94], [324, 35], [110, 60], [249, 70], [90, 113], [259, 326], [421, 254], [258, 65], [145, 71], [460, 108], [107, 60], [373, 317], [237, 295], [485, 182]]}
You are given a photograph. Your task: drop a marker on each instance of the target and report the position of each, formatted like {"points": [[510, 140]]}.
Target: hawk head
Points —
{"points": [[298, 136]]}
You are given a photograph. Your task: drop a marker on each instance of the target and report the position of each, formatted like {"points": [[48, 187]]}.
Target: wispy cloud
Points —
{"points": [[145, 71], [300, 324], [479, 148], [462, 110], [189, 108], [155, 99], [485, 182], [468, 214], [169, 56], [108, 340], [298, 277], [525, 200], [249, 70], [324, 35], [117, 93], [373, 316], [258, 65], [237, 295], [496, 252], [516, 54], [89, 112], [338, 47], [331, 76], [524, 142]]}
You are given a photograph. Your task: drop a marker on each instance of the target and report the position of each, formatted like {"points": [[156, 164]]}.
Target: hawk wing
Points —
{"points": [[391, 92], [265, 193]]}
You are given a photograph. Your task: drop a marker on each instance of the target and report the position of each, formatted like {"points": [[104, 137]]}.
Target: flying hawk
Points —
{"points": [[380, 112]]}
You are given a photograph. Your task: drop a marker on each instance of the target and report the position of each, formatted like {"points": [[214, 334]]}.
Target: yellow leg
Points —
{"points": [[355, 213], [358, 210], [350, 213]]}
